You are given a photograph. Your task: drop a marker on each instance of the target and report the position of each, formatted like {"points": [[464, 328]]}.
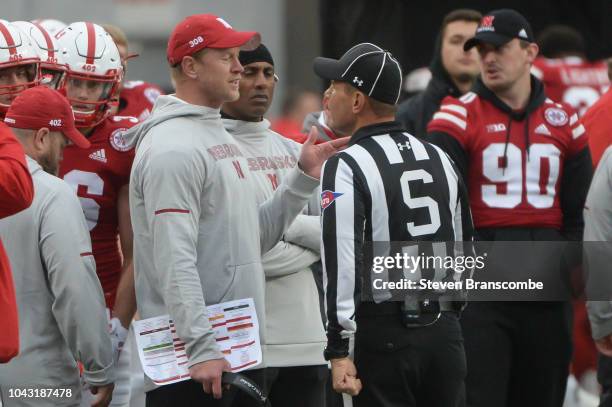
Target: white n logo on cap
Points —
{"points": [[225, 23]]}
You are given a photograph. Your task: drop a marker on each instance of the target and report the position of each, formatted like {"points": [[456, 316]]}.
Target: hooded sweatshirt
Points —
{"points": [[294, 329], [198, 231], [416, 112], [62, 315]]}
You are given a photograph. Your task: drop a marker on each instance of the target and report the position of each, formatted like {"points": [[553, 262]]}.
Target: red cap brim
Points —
{"points": [[77, 138], [247, 41]]}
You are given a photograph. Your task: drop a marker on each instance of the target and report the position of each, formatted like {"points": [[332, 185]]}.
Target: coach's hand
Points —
{"points": [[209, 374], [604, 345], [344, 377], [103, 394], [314, 155]]}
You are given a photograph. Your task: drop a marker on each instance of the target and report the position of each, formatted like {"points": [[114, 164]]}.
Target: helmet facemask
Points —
{"points": [[15, 78], [90, 96]]}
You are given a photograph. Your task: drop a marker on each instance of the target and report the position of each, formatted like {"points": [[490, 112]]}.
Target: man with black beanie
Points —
{"points": [[295, 371], [453, 71]]}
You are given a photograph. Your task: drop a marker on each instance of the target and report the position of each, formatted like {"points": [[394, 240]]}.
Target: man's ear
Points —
{"points": [[359, 102], [188, 67], [532, 52], [42, 140]]}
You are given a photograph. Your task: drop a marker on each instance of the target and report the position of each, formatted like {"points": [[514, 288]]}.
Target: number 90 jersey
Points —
{"points": [[97, 174], [514, 168]]}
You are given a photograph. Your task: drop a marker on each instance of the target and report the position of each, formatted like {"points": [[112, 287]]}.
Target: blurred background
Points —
{"points": [[298, 30]]}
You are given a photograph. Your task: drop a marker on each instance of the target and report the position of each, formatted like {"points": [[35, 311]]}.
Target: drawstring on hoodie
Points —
{"points": [[526, 130], [505, 159], [508, 131]]}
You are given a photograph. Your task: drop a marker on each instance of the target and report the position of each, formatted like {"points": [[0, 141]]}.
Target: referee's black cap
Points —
{"points": [[368, 68]]}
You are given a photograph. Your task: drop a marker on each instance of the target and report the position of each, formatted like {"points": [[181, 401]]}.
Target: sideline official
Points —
{"points": [[386, 186]]}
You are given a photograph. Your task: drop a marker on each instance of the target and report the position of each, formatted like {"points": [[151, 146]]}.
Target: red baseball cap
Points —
{"points": [[201, 31], [40, 107]]}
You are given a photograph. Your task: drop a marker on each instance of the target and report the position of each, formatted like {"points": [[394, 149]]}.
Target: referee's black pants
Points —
{"points": [[406, 367], [518, 353]]}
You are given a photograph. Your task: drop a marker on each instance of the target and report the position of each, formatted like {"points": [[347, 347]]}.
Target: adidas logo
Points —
{"points": [[542, 129], [99, 155], [522, 33]]}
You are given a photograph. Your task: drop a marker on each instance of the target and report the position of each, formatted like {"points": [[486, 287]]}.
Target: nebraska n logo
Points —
{"points": [[487, 21]]}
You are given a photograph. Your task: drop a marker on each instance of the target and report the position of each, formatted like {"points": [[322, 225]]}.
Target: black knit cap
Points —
{"points": [[259, 54]]}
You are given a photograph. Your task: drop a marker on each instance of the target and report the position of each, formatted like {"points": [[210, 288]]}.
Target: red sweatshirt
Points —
{"points": [[16, 192]]}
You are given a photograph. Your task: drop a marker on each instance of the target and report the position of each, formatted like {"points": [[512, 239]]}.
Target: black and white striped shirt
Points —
{"points": [[387, 186]]}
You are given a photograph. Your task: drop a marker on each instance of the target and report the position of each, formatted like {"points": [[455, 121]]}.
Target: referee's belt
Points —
{"points": [[367, 309]]}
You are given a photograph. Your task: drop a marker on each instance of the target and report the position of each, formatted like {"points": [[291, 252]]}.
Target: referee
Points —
{"points": [[387, 186]]}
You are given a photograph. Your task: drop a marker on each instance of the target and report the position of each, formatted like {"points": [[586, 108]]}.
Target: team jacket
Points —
{"points": [[17, 192], [290, 284], [97, 174], [198, 231], [572, 80], [523, 170], [137, 99], [62, 318]]}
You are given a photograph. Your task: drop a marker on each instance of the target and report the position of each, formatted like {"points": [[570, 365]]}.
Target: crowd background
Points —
{"points": [[297, 31]]}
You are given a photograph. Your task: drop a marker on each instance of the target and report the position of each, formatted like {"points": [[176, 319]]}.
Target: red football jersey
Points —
{"points": [[573, 80], [97, 174], [526, 192], [137, 99]]}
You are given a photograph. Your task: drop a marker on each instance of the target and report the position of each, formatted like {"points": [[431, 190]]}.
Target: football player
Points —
{"points": [[100, 174], [527, 166], [136, 98], [52, 65], [567, 75], [19, 64]]}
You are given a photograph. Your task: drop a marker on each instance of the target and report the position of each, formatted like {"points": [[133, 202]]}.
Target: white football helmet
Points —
{"points": [[52, 26], [19, 64], [52, 64], [93, 71]]}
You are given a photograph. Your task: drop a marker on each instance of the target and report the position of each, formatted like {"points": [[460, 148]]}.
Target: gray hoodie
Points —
{"points": [[198, 231], [294, 329], [62, 315]]}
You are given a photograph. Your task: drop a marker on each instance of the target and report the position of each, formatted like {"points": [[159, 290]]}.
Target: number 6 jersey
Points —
{"points": [[523, 169], [96, 175]]}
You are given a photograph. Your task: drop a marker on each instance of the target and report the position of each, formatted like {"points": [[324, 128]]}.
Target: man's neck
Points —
{"points": [[370, 120], [236, 116], [463, 85], [517, 96], [191, 94]]}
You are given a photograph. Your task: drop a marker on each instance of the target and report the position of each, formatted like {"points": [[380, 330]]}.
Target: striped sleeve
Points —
{"points": [[342, 220], [452, 118], [579, 140]]}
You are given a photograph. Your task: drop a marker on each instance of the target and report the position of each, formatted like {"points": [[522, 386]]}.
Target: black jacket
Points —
{"points": [[416, 112]]}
